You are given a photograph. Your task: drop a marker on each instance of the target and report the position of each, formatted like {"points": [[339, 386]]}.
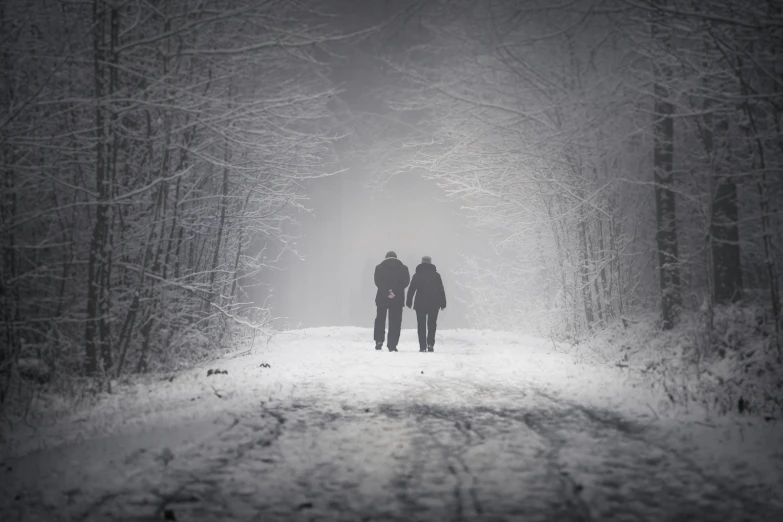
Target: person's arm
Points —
{"points": [[442, 293], [377, 276], [411, 291], [407, 277]]}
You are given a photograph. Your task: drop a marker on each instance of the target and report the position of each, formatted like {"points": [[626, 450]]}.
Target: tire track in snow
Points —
{"points": [[736, 502], [441, 472], [468, 505], [147, 496], [661, 483], [466, 499], [570, 489]]}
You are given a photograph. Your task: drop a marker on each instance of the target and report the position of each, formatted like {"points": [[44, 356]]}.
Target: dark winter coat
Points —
{"points": [[427, 286], [392, 275]]}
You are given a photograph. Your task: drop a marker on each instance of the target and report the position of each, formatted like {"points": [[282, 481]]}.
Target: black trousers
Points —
{"points": [[427, 321], [395, 323]]}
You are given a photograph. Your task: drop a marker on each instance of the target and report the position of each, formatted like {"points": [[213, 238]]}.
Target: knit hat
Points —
{"points": [[391, 253], [427, 260]]}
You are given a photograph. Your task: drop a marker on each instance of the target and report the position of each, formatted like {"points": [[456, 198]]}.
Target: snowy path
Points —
{"points": [[490, 427]]}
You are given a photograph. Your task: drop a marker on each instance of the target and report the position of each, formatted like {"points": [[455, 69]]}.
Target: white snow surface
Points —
{"points": [[491, 426]]}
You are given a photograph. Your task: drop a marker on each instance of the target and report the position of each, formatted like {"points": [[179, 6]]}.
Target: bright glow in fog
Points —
{"points": [[348, 234]]}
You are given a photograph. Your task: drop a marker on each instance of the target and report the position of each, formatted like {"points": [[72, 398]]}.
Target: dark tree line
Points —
{"points": [[151, 153]]}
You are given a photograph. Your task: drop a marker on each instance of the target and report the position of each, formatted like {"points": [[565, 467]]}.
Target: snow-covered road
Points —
{"points": [[492, 426]]}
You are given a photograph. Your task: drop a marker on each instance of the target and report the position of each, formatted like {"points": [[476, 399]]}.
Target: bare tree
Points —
{"points": [[151, 153]]}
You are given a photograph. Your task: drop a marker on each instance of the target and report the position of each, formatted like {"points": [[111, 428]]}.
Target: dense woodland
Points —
{"points": [[625, 156], [151, 154]]}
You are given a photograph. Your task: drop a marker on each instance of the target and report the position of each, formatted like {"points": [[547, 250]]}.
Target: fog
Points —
{"points": [[352, 221], [350, 228], [195, 196]]}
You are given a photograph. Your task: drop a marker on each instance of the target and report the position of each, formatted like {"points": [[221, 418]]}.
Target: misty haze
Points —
{"points": [[391, 260]]}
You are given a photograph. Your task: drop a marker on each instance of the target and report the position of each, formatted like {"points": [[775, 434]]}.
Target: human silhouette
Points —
{"points": [[427, 287], [391, 278]]}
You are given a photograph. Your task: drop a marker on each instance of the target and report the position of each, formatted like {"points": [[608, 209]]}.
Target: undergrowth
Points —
{"points": [[41, 391], [723, 360]]}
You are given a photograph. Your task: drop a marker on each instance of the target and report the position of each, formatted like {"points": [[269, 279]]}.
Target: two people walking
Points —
{"points": [[426, 287]]}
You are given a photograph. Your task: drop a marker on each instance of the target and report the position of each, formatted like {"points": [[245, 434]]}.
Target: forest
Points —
{"points": [[625, 158]]}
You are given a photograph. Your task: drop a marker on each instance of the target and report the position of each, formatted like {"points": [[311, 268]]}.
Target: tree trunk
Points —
{"points": [[107, 246], [726, 267], [772, 272], [605, 282], [766, 224], [94, 265], [724, 229], [560, 262], [593, 273], [221, 223], [585, 279], [616, 268], [666, 217]]}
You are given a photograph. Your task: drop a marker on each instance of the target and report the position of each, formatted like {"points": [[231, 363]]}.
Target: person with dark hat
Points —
{"points": [[427, 287], [391, 278]]}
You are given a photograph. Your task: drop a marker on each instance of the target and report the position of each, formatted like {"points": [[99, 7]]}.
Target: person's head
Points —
{"points": [[391, 253], [427, 260]]}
